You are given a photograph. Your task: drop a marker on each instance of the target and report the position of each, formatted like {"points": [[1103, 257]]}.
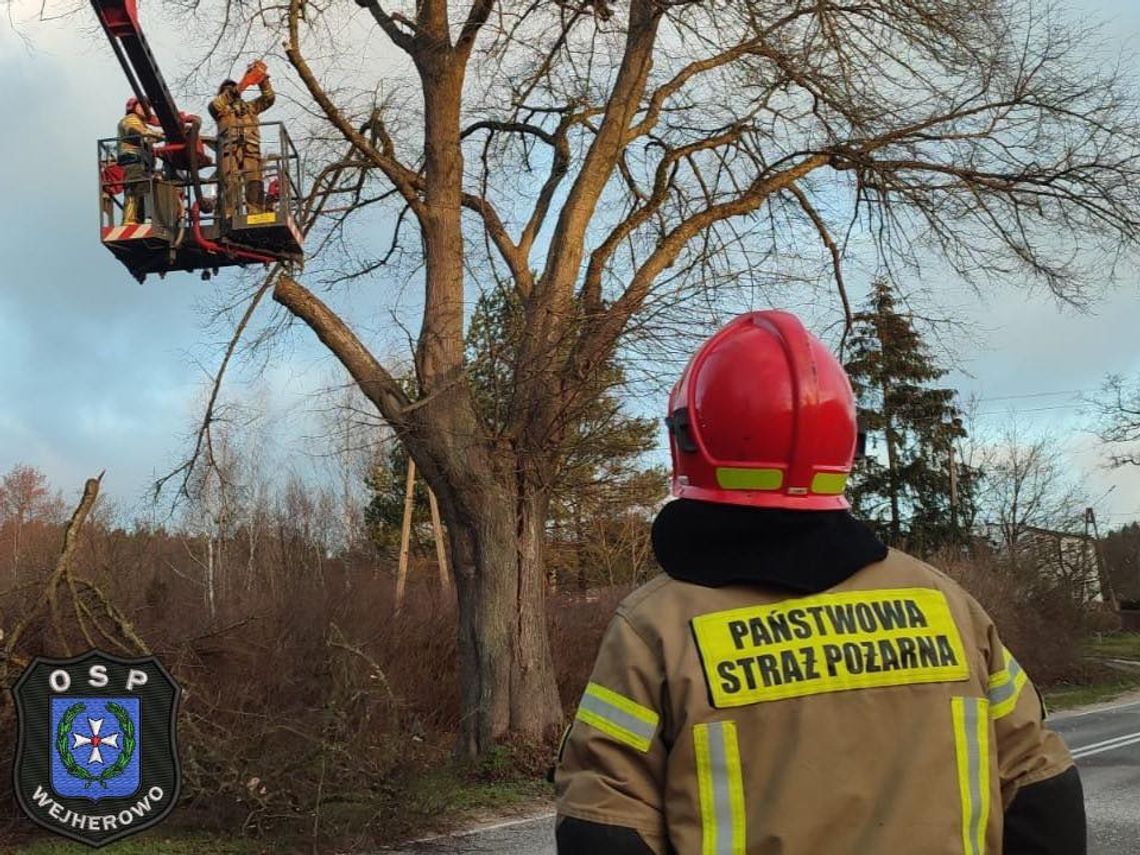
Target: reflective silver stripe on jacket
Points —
{"points": [[720, 787]]}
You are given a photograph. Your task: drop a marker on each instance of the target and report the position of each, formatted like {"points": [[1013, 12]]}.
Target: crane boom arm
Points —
{"points": [[120, 21]]}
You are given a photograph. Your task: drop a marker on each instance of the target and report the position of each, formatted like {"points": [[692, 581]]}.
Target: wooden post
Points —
{"points": [[440, 548], [405, 534]]}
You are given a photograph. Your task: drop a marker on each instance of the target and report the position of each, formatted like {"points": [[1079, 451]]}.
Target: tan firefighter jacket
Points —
{"points": [[133, 131], [880, 717], [238, 127]]}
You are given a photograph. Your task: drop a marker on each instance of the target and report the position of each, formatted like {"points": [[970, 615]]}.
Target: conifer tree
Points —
{"points": [[601, 479], [903, 487]]}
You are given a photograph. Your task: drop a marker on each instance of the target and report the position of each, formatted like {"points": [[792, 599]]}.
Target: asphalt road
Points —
{"points": [[527, 836], [1105, 742], [1106, 745]]}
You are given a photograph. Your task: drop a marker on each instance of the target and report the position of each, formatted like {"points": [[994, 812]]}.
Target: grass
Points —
{"points": [[1068, 697], [1105, 683], [437, 801], [145, 844], [447, 796], [1118, 645]]}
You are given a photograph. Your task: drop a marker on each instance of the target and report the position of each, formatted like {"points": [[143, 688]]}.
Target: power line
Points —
{"points": [[1032, 395], [1014, 411]]}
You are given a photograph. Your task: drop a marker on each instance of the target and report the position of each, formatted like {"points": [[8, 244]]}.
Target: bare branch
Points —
{"points": [[662, 184], [390, 24], [377, 384], [476, 17], [510, 127], [515, 259], [836, 258], [202, 437], [566, 244], [404, 179], [603, 330]]}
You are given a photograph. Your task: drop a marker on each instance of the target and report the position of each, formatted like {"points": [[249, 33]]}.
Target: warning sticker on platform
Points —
{"points": [[829, 643], [261, 219]]}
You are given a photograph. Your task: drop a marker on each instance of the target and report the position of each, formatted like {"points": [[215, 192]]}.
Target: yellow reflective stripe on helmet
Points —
{"points": [[972, 748], [1005, 686], [617, 716], [829, 483], [720, 786], [739, 478]]}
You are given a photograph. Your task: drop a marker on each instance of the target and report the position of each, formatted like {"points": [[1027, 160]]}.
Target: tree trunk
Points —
{"points": [[495, 518], [507, 672], [892, 469], [16, 532], [580, 551], [211, 602]]}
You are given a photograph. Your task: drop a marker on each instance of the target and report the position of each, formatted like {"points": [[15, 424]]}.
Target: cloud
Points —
{"points": [[97, 372]]}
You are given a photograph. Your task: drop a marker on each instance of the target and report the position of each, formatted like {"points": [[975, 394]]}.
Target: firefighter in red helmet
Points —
{"points": [[136, 158], [789, 685], [239, 141]]}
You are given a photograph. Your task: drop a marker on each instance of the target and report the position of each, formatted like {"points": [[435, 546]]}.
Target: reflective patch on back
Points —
{"points": [[829, 643]]}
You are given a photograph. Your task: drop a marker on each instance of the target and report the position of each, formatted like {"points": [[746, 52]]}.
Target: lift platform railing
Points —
{"points": [[247, 187], [258, 179]]}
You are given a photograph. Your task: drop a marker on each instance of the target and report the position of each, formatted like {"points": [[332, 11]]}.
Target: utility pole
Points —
{"points": [[1102, 568], [405, 534]]}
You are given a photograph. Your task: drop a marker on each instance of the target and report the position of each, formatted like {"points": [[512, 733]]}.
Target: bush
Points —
{"points": [[577, 623], [1041, 624], [307, 714]]}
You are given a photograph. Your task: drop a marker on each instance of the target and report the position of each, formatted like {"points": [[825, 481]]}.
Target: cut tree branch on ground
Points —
{"points": [[93, 612]]}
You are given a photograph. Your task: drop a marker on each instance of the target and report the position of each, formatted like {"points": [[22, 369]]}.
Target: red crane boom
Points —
{"points": [[120, 21]]}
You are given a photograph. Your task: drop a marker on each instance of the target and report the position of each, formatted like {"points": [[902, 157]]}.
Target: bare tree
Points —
{"points": [[213, 518], [1117, 410], [25, 496], [346, 449], [1029, 489], [615, 166]]}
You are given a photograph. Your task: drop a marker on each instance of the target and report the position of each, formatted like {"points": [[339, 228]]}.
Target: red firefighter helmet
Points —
{"points": [[764, 416], [132, 102]]}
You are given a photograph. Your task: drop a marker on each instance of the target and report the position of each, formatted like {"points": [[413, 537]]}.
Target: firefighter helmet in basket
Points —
{"points": [[763, 415]]}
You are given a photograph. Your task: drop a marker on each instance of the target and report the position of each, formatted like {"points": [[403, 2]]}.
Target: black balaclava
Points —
{"points": [[803, 551]]}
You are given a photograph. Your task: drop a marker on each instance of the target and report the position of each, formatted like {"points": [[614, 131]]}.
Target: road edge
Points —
{"points": [[1123, 700]]}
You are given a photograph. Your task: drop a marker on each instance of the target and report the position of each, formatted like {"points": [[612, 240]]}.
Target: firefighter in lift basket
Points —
{"points": [[239, 140], [136, 159]]}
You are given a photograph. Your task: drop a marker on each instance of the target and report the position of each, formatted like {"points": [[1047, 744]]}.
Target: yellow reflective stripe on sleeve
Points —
{"points": [[720, 785], [1005, 686], [617, 716], [972, 749]]}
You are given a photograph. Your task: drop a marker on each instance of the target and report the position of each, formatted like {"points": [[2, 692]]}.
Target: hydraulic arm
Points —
{"points": [[120, 21]]}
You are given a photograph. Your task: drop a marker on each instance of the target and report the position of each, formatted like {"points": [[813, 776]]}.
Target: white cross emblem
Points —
{"points": [[95, 740]]}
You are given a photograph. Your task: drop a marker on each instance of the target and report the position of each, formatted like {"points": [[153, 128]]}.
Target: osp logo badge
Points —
{"points": [[96, 758]]}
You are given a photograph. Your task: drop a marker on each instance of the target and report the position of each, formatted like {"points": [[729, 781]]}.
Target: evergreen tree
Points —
{"points": [[602, 488], [1121, 551], [384, 513], [903, 486]]}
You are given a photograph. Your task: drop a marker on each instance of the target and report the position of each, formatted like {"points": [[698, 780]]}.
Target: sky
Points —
{"points": [[97, 372]]}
